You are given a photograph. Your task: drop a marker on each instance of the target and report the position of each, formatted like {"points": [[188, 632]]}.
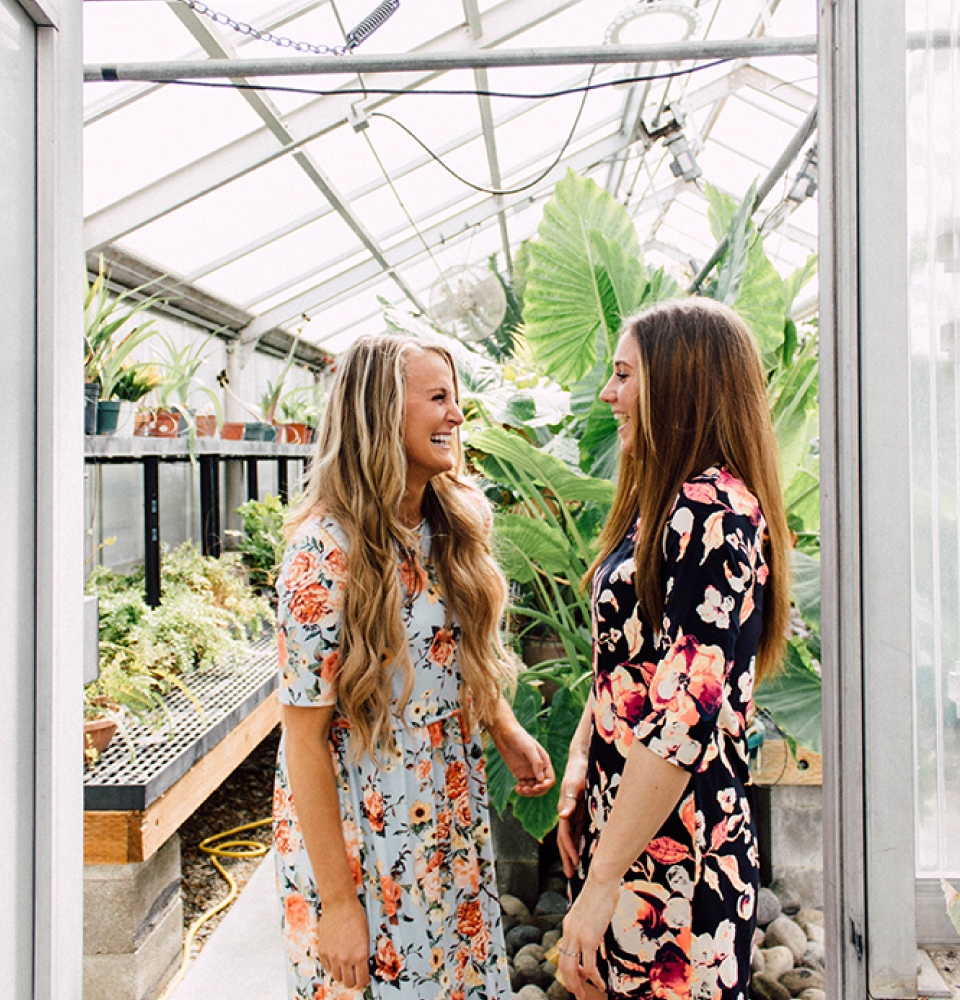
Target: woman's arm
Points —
{"points": [[528, 761], [572, 806], [649, 791], [343, 941]]}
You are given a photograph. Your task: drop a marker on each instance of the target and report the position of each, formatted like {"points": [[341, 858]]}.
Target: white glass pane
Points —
{"points": [[933, 150]]}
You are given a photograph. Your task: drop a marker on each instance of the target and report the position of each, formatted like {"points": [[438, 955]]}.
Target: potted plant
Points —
{"points": [[178, 382], [111, 332], [270, 402], [301, 414]]}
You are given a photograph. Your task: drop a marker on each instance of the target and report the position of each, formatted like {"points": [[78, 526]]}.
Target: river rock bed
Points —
{"points": [[788, 954]]}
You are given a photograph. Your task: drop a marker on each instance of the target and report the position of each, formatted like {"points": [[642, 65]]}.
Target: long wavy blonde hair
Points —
{"points": [[358, 477], [702, 402]]}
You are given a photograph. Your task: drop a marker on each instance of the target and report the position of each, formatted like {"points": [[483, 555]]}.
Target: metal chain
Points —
{"points": [[265, 36]]}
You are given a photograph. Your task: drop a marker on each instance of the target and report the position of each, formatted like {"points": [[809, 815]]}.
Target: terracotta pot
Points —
{"points": [[232, 431], [97, 734], [292, 433], [158, 423], [141, 423], [206, 425]]}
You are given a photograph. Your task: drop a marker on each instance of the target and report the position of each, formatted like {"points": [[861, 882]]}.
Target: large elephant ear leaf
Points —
{"points": [[564, 307], [628, 282]]}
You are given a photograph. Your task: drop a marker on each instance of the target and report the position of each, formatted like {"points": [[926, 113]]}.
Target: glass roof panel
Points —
{"points": [[164, 131], [249, 280], [203, 230], [263, 236]]}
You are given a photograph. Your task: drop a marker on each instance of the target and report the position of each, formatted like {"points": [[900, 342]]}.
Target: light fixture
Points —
{"points": [[675, 21], [805, 183], [684, 163]]}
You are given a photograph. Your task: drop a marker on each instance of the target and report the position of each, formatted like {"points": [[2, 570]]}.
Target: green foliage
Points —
{"points": [[205, 616], [585, 275], [261, 540], [544, 531], [110, 330], [270, 400]]}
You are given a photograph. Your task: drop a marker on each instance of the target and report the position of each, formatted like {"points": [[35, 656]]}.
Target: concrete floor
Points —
{"points": [[244, 957]]}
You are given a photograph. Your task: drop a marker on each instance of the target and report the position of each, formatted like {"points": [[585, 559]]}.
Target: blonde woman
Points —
{"points": [[690, 598], [390, 654]]}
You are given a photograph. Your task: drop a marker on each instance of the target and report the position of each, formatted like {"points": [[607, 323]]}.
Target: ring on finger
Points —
{"points": [[569, 954]]}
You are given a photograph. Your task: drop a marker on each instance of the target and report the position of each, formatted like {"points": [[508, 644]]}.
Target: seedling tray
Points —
{"points": [[220, 698]]}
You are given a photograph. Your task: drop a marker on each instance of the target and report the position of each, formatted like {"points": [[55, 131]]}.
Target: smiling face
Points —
{"points": [[622, 392], [431, 417]]}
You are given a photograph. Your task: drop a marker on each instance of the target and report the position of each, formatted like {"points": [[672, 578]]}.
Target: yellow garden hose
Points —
{"points": [[226, 848]]}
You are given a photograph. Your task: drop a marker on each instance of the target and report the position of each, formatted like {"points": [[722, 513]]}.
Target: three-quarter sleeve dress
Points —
{"points": [[684, 922], [416, 827]]}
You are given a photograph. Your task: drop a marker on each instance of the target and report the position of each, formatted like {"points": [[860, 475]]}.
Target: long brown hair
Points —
{"points": [[702, 402], [358, 477]]}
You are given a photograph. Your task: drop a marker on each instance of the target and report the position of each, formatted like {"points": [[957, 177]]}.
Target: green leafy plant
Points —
{"points": [[205, 617], [136, 381], [548, 517], [261, 540], [270, 400], [179, 376], [114, 325]]}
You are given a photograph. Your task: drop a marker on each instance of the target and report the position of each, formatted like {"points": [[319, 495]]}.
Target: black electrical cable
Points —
{"points": [[478, 187], [439, 92]]}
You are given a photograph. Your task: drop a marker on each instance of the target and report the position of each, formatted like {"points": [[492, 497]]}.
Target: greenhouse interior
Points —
{"points": [[205, 206]]}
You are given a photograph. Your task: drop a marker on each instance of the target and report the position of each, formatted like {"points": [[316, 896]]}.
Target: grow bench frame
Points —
{"points": [[132, 807], [208, 452]]}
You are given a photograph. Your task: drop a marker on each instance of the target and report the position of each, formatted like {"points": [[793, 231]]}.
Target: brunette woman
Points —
{"points": [[690, 599]]}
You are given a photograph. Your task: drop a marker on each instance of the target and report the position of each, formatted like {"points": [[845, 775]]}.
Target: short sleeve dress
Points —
{"points": [[683, 926], [416, 828]]}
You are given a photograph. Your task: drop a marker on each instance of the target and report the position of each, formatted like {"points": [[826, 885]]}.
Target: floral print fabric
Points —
{"points": [[683, 926], [416, 827]]}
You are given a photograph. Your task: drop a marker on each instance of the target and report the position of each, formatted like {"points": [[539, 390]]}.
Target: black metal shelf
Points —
{"points": [[208, 453]]}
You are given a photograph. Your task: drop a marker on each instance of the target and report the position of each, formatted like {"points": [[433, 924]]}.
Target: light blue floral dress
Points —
{"points": [[417, 828]]}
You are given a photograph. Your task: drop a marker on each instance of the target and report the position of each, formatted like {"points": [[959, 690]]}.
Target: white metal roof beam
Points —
{"points": [[269, 114], [458, 223], [210, 172], [447, 232], [441, 62], [475, 24], [376, 185]]}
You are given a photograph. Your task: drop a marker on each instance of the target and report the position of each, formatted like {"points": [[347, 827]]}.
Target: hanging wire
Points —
{"points": [[434, 91], [497, 191], [400, 202]]}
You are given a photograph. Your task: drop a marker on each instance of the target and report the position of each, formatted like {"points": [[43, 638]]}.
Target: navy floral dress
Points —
{"points": [[684, 923]]}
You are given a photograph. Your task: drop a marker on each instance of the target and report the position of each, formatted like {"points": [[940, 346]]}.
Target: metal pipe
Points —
{"points": [[790, 153], [192, 69]]}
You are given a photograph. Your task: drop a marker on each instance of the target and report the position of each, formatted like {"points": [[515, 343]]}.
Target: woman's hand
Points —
{"points": [[583, 930], [343, 942], [572, 810], [529, 763]]}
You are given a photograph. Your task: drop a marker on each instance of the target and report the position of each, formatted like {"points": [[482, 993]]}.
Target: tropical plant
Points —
{"points": [[114, 325], [548, 518], [261, 540], [136, 381]]}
